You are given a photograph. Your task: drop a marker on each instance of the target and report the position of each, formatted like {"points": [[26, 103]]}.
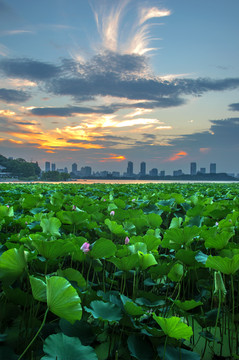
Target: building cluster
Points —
{"points": [[86, 171]]}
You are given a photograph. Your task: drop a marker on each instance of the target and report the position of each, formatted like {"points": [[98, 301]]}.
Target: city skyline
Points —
{"points": [[102, 83]]}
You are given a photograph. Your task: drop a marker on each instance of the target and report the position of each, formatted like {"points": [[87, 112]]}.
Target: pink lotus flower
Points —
{"points": [[7, 206], [126, 240], [133, 200], [112, 213], [104, 200], [216, 223], [73, 207], [85, 247]]}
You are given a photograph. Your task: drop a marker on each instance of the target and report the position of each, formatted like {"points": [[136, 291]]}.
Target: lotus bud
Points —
{"points": [[219, 284]]}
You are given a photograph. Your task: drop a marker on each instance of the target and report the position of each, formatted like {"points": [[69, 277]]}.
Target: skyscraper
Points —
{"points": [[47, 166], [193, 168], [213, 168], [142, 168], [74, 168], [53, 167], [130, 168]]}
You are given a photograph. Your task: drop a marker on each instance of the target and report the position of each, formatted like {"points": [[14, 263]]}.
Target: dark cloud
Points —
{"points": [[28, 69], [71, 110], [13, 96], [149, 136], [234, 107]]}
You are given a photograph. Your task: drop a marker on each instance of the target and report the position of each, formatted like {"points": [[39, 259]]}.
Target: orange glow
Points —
{"points": [[113, 157], [204, 150], [50, 151], [178, 156]]}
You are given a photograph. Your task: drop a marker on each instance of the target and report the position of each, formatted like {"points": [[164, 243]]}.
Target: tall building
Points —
{"points": [[142, 168], [85, 171], [193, 168], [203, 170], [162, 173], [74, 168], [213, 168], [53, 167], [153, 172], [130, 168], [47, 166]]}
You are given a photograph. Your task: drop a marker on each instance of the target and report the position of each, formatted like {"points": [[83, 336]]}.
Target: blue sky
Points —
{"points": [[102, 82]]}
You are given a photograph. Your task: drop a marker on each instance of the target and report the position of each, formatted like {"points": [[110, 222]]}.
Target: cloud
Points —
{"points": [[28, 69], [13, 96], [3, 50], [234, 107], [177, 156], [71, 111]]}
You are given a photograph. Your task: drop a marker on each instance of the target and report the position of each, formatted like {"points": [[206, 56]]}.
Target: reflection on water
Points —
{"points": [[119, 181]]}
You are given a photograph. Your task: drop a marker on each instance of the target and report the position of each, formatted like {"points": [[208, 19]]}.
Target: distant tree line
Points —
{"points": [[55, 176], [20, 167]]}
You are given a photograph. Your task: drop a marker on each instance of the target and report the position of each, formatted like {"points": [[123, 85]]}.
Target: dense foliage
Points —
{"points": [[20, 167], [119, 271]]}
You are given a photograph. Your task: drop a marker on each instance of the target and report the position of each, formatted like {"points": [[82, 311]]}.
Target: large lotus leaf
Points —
{"points": [[126, 263], [188, 304], [73, 275], [140, 348], [51, 226], [54, 248], [38, 288], [30, 201], [174, 327], [176, 272], [187, 257], [62, 299], [103, 248], [217, 241], [138, 246], [62, 347], [12, 264], [115, 228], [176, 238], [72, 217], [129, 228], [6, 211], [105, 311], [146, 260], [80, 329], [17, 296], [176, 223], [173, 353], [160, 270], [140, 223], [152, 242], [133, 309], [224, 264], [154, 220]]}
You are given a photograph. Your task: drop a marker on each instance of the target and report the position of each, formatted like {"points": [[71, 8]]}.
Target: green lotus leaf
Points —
{"points": [[176, 238], [174, 327], [12, 264], [172, 353], [103, 248], [146, 260], [51, 226], [62, 299], [6, 211], [187, 257], [218, 241], [72, 217], [140, 348], [154, 220], [126, 263], [115, 228], [38, 289], [62, 347], [224, 264], [54, 248], [138, 246], [152, 242], [188, 304], [176, 272], [105, 311], [132, 309], [73, 275]]}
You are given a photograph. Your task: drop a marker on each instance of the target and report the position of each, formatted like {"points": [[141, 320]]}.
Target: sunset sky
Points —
{"points": [[104, 82]]}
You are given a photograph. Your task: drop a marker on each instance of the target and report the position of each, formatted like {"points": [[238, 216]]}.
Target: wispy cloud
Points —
{"points": [[4, 51], [177, 156]]}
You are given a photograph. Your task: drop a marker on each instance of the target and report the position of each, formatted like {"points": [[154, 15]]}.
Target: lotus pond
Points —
{"points": [[121, 272]]}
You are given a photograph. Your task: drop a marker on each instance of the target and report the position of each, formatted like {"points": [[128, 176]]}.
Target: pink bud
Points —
{"points": [[73, 207], [112, 213], [104, 200], [133, 199], [7, 206], [126, 240], [26, 223], [216, 223], [85, 247]]}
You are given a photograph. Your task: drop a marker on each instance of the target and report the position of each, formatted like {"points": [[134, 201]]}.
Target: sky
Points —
{"points": [[104, 82]]}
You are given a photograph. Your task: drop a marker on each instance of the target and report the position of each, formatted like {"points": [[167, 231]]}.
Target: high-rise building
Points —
{"points": [[74, 168], [142, 168], [203, 170], [193, 168], [153, 172], [47, 166], [213, 168], [53, 167], [162, 173], [86, 171], [130, 168]]}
